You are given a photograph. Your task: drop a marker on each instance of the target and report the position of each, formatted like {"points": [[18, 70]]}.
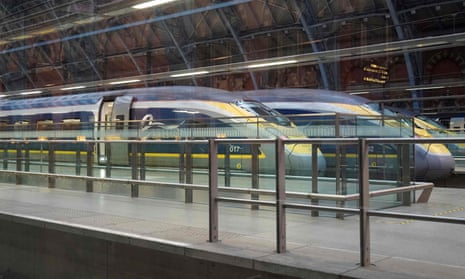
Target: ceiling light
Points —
{"points": [[269, 64], [151, 4], [22, 37], [190, 74], [124, 81], [44, 31], [89, 20], [391, 49], [432, 44], [72, 88], [359, 93], [30, 92], [424, 88]]}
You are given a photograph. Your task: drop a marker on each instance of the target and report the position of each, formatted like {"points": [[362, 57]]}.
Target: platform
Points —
{"points": [[317, 246]]}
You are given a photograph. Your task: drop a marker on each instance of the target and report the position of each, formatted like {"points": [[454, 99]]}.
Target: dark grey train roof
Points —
{"points": [[141, 94], [303, 95]]}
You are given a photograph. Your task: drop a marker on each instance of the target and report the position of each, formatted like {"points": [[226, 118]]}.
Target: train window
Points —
{"points": [[4, 126], [195, 123], [22, 125], [267, 113], [71, 124], [45, 125], [119, 122]]}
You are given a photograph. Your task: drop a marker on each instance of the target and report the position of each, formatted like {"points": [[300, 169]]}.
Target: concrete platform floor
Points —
{"points": [[318, 247]]}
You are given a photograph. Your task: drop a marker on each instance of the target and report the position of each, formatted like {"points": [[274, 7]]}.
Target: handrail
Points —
{"points": [[363, 211], [314, 196], [280, 202]]}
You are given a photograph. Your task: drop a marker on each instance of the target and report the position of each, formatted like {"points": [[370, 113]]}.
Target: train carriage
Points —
{"points": [[431, 161], [170, 112]]}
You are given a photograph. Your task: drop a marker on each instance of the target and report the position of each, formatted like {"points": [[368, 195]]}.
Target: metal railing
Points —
{"points": [[280, 202], [364, 195]]}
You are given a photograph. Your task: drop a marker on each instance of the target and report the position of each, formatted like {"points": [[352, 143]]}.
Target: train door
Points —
{"points": [[115, 117]]}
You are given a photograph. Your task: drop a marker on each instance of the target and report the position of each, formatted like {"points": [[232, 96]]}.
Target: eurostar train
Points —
{"points": [[431, 161], [427, 127], [172, 112]]}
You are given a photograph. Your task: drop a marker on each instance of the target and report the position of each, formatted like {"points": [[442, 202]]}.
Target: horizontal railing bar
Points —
{"points": [[248, 141], [438, 140], [246, 201], [429, 218], [315, 196], [247, 191], [181, 141], [401, 189], [321, 207], [108, 179], [288, 194], [399, 140], [321, 140]]}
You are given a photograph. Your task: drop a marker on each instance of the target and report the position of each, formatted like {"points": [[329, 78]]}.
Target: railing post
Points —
{"points": [[78, 159], [51, 164], [134, 169], [107, 147], [5, 155], [255, 172], [188, 195], [280, 196], [227, 165], [90, 167], [142, 161], [405, 173], [19, 162], [364, 203], [27, 158], [315, 213], [182, 163], [338, 170], [213, 190]]}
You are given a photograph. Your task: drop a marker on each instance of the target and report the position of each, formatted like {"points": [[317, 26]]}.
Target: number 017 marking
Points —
{"points": [[234, 148]]}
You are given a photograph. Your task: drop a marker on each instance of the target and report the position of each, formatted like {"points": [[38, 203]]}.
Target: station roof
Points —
{"points": [[59, 46]]}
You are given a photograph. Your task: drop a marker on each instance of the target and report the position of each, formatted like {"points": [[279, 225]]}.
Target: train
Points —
{"points": [[168, 112], [429, 127], [355, 116]]}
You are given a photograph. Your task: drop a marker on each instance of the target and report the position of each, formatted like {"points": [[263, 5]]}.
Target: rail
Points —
{"points": [[280, 202]]}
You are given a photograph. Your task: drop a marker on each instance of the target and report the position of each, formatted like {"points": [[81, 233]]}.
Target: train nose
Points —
{"points": [[432, 162], [299, 160]]}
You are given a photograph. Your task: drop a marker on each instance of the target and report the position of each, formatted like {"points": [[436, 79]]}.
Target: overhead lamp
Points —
{"points": [[89, 20], [432, 44], [30, 92], [44, 31], [424, 88], [72, 88], [190, 74], [269, 64], [150, 4], [359, 93], [391, 49], [22, 37], [124, 81]]}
